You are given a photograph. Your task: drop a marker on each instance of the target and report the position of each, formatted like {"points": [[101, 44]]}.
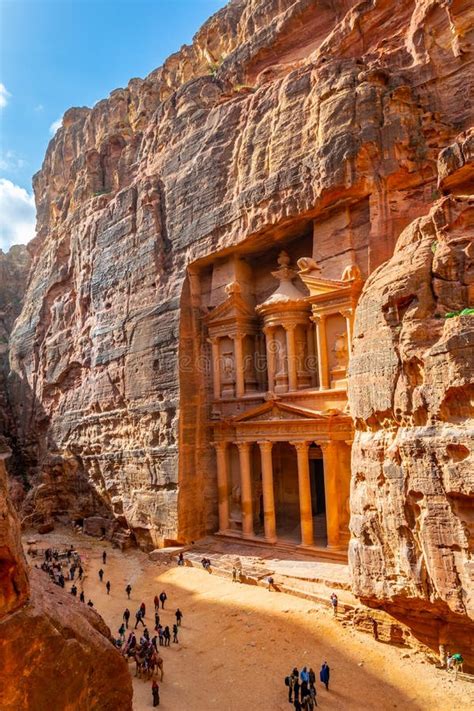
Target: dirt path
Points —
{"points": [[238, 642]]}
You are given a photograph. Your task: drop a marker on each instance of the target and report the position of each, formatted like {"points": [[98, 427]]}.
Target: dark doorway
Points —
{"points": [[318, 495], [318, 500]]}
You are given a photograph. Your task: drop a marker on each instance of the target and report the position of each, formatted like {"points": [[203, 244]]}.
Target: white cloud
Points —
{"points": [[17, 215], [55, 125], [4, 95], [10, 161]]}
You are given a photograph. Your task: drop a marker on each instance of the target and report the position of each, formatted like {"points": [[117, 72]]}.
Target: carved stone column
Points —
{"points": [[216, 365], [222, 485], [304, 488], [267, 490], [310, 350], [330, 462], [269, 332], [320, 322], [246, 489], [239, 366], [291, 357]]}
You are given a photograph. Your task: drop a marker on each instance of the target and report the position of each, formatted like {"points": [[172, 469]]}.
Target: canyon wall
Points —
{"points": [[14, 268], [411, 390], [281, 114], [65, 646]]}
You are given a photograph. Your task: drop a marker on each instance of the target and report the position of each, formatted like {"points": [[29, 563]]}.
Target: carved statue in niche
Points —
{"points": [[228, 370], [340, 350], [338, 372], [235, 507]]}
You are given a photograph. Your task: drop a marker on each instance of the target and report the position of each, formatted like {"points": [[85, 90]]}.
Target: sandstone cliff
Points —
{"points": [[281, 112], [14, 268], [411, 392], [55, 653]]}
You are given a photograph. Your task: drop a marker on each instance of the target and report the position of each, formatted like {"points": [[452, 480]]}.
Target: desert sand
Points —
{"points": [[238, 642]]}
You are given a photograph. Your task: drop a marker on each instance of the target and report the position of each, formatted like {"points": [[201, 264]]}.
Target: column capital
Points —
{"points": [[213, 340], [318, 318], [243, 446], [326, 446], [268, 330], [220, 444], [347, 313], [237, 336], [300, 446], [289, 326], [265, 445]]}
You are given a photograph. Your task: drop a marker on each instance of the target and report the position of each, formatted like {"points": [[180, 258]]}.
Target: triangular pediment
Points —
{"points": [[234, 308], [318, 286], [277, 410]]}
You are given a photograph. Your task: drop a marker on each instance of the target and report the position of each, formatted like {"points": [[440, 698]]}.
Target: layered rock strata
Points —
{"points": [[14, 268], [55, 653], [279, 115], [411, 392]]}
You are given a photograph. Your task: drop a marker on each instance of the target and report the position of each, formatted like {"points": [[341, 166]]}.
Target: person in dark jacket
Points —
{"points": [[324, 675], [163, 598], [155, 692], [126, 616], [128, 590], [108, 586], [179, 617]]}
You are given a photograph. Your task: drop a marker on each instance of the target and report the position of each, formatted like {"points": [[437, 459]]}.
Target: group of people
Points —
{"points": [[302, 687]]}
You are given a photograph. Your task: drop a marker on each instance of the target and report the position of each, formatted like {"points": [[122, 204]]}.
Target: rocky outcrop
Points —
{"points": [[65, 647], [280, 113], [14, 267], [411, 391]]}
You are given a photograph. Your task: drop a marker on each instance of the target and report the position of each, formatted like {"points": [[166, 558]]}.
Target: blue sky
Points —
{"points": [[60, 53]]}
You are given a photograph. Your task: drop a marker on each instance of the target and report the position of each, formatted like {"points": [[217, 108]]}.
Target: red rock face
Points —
{"points": [[279, 114], [64, 647], [411, 392]]}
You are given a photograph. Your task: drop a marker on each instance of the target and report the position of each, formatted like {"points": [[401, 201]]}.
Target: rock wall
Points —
{"points": [[65, 647], [411, 392], [14, 267], [281, 112]]}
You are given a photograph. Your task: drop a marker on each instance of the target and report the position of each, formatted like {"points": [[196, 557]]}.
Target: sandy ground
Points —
{"points": [[238, 642]]}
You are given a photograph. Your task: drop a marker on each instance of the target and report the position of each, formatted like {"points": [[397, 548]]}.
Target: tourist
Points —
{"points": [[82, 597], [289, 682], [293, 679], [296, 687], [126, 616], [146, 634], [234, 574], [153, 641], [81, 572], [155, 692], [156, 603], [163, 598], [181, 559], [74, 590], [72, 570], [270, 582], [324, 675], [108, 586], [90, 603], [157, 620], [104, 557], [334, 602], [179, 617], [167, 636], [175, 634], [304, 692], [138, 618], [311, 678], [121, 631], [128, 590], [143, 609], [101, 575], [161, 635], [304, 676]]}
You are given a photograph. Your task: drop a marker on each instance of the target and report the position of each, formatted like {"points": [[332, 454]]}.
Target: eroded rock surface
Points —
{"points": [[411, 392], [278, 114], [55, 652]]}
